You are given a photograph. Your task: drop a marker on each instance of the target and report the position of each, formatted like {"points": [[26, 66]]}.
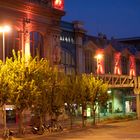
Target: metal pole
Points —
{"points": [[3, 47], [4, 117], [4, 106]]}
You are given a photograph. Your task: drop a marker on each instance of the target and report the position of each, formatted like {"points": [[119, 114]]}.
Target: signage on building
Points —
{"points": [[9, 107], [58, 4]]}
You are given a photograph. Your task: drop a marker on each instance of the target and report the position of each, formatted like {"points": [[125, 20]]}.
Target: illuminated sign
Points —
{"points": [[58, 4]]}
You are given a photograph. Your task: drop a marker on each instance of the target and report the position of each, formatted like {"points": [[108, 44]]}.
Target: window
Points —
{"points": [[68, 62], [88, 61], [36, 44], [124, 62], [108, 63], [12, 42]]}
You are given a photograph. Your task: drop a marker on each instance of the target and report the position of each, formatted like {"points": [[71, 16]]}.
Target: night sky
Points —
{"points": [[117, 18]]}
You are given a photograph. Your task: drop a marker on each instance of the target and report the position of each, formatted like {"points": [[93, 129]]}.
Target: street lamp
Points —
{"points": [[3, 30]]}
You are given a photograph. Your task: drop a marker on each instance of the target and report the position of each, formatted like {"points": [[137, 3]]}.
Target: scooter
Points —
{"points": [[36, 130]]}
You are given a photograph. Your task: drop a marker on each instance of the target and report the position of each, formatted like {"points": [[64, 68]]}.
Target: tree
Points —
{"points": [[48, 88], [82, 94], [4, 92], [41, 76], [19, 84], [69, 95], [98, 93]]}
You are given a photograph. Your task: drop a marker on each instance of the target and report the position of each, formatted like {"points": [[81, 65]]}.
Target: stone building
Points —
{"points": [[37, 30]]}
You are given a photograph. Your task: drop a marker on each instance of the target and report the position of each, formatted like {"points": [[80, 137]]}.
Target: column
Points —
{"points": [[56, 50], [79, 34], [27, 46], [123, 103], [27, 28], [22, 42], [138, 105]]}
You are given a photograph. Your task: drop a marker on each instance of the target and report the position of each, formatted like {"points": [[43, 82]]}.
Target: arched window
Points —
{"points": [[12, 42], [124, 64], [108, 63], [88, 61], [36, 44]]}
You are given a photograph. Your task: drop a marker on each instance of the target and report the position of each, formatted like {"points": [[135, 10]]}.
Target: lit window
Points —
{"points": [[66, 39], [72, 40], [61, 38], [69, 39]]}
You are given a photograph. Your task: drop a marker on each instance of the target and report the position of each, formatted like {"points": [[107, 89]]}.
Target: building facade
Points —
{"points": [[37, 30], [106, 58]]}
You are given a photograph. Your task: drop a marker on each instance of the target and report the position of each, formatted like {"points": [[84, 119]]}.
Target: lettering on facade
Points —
{"points": [[132, 66], [117, 63]]}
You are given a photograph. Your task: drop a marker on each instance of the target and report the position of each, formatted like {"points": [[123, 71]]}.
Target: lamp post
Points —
{"points": [[3, 30]]}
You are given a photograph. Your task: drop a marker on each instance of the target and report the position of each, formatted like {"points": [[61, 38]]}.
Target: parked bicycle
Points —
{"points": [[54, 126], [8, 134]]}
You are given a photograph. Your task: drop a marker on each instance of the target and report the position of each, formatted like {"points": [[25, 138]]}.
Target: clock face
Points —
{"points": [[58, 4]]}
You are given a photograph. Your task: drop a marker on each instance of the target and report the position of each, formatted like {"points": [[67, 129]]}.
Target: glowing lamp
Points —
{"points": [[58, 4], [109, 91], [99, 56], [5, 28]]}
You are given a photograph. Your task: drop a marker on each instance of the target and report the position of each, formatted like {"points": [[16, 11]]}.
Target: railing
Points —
{"points": [[119, 81]]}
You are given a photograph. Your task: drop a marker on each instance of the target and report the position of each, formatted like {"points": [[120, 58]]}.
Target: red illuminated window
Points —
{"points": [[58, 4]]}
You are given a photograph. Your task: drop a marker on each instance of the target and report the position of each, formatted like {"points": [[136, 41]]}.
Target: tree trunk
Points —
{"points": [[41, 124], [4, 120], [83, 116], [71, 118], [20, 123], [94, 122], [94, 114]]}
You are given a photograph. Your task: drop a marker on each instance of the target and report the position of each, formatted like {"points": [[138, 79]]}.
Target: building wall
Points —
{"points": [[25, 17]]}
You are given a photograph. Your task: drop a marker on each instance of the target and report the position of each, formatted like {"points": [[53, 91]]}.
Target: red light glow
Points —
{"points": [[117, 58], [58, 4], [27, 47], [100, 61], [132, 67]]}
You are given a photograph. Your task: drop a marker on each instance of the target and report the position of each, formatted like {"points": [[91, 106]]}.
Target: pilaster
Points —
{"points": [[79, 34], [138, 105]]}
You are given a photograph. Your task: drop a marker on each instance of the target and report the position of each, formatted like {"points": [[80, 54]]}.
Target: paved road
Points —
{"points": [[116, 131]]}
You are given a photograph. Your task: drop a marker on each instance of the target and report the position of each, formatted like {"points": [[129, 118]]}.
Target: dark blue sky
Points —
{"points": [[117, 18]]}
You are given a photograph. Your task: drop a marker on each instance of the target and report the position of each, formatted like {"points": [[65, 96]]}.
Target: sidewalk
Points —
{"points": [[77, 126]]}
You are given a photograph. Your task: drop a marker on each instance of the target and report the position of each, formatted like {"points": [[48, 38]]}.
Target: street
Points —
{"points": [[116, 131]]}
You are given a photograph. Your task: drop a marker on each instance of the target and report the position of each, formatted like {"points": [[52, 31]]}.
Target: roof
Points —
{"points": [[129, 39], [67, 26]]}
